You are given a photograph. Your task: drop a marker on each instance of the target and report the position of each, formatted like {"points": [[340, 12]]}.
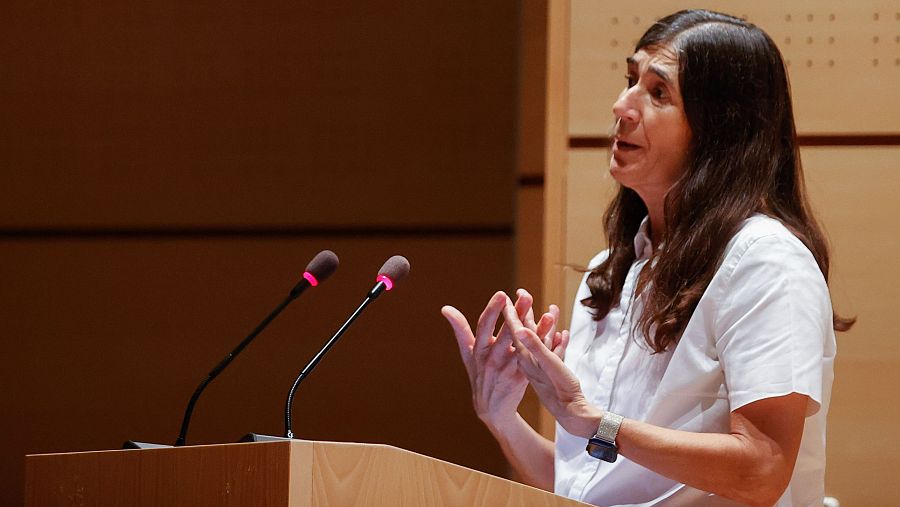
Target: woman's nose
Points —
{"points": [[624, 107]]}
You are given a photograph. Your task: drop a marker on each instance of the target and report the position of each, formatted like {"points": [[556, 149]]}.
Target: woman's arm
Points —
{"points": [[751, 464], [529, 453]]}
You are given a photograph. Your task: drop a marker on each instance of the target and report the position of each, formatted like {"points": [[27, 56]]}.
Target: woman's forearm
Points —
{"points": [[725, 464], [752, 463], [529, 453]]}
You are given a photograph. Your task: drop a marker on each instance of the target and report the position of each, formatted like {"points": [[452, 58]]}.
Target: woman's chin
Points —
{"points": [[619, 173]]}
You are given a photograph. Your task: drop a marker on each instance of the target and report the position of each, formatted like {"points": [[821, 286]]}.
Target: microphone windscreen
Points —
{"points": [[323, 265], [396, 268]]}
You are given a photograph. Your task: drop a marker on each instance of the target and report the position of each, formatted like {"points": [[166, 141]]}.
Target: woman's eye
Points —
{"points": [[658, 93]]}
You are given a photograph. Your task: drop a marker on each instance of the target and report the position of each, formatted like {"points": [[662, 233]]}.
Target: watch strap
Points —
{"points": [[609, 427]]}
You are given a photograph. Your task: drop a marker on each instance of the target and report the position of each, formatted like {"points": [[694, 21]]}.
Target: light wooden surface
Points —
{"points": [[296, 473], [854, 191], [530, 149], [555, 141], [359, 474], [843, 58]]}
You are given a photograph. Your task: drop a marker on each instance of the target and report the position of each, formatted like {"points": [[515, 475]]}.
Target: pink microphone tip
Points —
{"points": [[388, 284]]}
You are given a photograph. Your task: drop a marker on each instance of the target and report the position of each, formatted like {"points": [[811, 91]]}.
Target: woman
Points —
{"points": [[702, 342]]}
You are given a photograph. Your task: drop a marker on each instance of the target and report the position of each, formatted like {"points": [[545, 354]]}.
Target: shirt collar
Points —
{"points": [[643, 247]]}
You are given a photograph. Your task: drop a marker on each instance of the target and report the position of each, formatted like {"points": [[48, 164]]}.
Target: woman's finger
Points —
{"points": [[464, 337], [523, 305], [527, 317], [545, 327], [560, 344], [554, 310], [543, 357], [523, 355], [484, 330]]}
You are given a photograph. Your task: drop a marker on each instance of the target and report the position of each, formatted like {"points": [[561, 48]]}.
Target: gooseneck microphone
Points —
{"points": [[394, 270], [318, 270]]}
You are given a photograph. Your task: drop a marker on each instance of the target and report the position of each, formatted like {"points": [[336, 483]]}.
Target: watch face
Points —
{"points": [[602, 450]]}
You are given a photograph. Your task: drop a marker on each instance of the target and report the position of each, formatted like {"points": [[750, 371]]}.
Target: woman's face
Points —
{"points": [[652, 137]]}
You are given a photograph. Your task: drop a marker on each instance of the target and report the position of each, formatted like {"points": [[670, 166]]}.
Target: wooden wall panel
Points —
{"points": [[854, 193], [530, 163], [532, 88], [167, 170], [106, 341], [863, 451], [528, 272], [590, 188], [203, 114], [529, 233], [854, 47]]}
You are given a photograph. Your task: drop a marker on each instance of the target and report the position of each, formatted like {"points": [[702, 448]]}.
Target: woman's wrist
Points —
{"points": [[501, 425], [582, 421]]}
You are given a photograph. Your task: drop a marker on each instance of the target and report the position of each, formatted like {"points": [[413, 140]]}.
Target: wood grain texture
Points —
{"points": [[380, 475], [301, 480], [295, 473], [233, 474], [529, 263], [555, 141]]}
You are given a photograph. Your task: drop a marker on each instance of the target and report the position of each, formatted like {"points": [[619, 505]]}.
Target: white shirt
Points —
{"points": [[762, 329]]}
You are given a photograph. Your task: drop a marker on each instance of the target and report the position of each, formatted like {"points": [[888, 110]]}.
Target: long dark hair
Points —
{"points": [[743, 160]]}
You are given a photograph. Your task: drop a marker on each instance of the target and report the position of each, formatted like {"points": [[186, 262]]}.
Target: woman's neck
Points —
{"points": [[657, 223]]}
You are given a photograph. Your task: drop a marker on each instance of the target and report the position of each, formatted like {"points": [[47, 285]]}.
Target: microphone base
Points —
{"points": [[133, 444], [257, 437]]}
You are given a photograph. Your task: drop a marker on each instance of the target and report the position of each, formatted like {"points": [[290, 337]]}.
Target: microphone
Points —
{"points": [[317, 271], [394, 270]]}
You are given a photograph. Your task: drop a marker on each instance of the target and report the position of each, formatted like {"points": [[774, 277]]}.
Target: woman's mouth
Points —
{"points": [[623, 145]]}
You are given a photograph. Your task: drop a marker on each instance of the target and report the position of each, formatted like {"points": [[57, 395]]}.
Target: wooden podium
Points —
{"points": [[287, 473]]}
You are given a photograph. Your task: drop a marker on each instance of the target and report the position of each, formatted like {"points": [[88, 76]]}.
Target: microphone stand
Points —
{"points": [[374, 293], [185, 423], [182, 435]]}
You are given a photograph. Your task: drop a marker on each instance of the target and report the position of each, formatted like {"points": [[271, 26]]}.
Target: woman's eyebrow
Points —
{"points": [[656, 69], [659, 71]]}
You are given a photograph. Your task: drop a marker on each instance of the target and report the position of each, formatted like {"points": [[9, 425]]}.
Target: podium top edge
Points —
{"points": [[296, 441]]}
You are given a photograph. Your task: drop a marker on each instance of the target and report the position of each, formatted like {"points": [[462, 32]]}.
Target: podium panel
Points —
{"points": [[290, 473]]}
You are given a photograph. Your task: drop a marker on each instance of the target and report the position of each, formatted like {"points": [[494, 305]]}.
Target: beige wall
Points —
{"points": [[839, 54], [844, 67], [169, 168]]}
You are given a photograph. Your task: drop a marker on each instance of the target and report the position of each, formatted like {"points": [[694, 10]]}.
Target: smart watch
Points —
{"points": [[603, 444]]}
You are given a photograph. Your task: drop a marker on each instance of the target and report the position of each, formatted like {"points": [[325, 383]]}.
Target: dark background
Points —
{"points": [[167, 169]]}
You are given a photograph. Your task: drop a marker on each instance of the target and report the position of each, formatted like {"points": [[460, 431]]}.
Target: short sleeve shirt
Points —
{"points": [[763, 328]]}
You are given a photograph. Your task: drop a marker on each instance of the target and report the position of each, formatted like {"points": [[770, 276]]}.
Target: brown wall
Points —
{"points": [[169, 168]]}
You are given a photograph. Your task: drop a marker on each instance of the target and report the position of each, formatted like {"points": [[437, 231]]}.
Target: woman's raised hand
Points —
{"points": [[490, 361], [540, 359]]}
